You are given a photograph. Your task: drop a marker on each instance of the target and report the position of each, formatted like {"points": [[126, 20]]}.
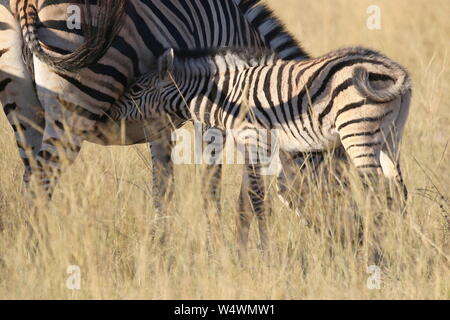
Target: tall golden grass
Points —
{"points": [[101, 217]]}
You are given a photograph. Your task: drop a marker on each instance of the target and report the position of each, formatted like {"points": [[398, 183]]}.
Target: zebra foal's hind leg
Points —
{"points": [[377, 157], [390, 164], [390, 153], [374, 150], [302, 172], [294, 165]]}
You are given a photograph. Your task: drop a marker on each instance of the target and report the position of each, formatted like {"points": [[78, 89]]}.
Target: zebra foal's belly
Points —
{"points": [[291, 141]]}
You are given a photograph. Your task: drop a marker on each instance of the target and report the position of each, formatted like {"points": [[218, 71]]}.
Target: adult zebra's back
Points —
{"points": [[75, 102]]}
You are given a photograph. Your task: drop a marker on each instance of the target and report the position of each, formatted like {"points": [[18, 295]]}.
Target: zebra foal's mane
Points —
{"points": [[208, 62]]}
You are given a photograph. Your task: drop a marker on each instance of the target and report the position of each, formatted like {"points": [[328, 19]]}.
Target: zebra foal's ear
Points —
{"points": [[165, 64]]}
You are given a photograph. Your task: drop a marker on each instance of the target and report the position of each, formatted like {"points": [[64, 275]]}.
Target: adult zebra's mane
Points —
{"points": [[270, 27]]}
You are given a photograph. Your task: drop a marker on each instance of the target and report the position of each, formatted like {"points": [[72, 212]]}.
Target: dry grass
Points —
{"points": [[101, 216]]}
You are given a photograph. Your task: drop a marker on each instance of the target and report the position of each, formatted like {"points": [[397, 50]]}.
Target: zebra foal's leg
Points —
{"points": [[292, 166], [292, 182], [251, 201], [390, 164], [377, 155], [374, 150], [390, 152], [163, 177], [214, 143]]}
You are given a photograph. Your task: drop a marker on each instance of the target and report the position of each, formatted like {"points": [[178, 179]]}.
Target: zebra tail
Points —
{"points": [[362, 83], [97, 37]]}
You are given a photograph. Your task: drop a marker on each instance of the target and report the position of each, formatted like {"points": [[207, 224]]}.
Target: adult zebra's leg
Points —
{"points": [[245, 212], [63, 135], [213, 174], [17, 93], [67, 124]]}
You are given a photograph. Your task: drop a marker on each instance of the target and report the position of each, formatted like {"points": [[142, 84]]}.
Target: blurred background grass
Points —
{"points": [[102, 215]]}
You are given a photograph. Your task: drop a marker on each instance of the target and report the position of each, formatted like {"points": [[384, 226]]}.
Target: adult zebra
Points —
{"points": [[75, 98]]}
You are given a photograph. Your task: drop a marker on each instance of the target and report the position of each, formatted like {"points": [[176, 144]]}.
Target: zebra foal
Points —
{"points": [[355, 98]]}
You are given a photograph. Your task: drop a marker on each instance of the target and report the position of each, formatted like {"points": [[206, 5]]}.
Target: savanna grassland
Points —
{"points": [[101, 217]]}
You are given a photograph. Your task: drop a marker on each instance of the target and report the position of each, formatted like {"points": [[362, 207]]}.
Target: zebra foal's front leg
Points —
{"points": [[214, 143], [252, 199], [251, 203], [163, 179]]}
